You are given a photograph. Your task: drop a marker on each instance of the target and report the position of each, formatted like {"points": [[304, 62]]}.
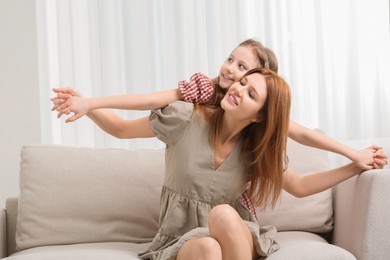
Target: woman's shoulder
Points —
{"points": [[179, 109]]}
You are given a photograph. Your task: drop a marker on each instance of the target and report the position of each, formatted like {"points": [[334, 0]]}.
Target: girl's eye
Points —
{"points": [[242, 67], [242, 83], [230, 60], [251, 95]]}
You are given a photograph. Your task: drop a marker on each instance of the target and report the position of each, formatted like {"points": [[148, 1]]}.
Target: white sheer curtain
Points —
{"points": [[334, 53]]}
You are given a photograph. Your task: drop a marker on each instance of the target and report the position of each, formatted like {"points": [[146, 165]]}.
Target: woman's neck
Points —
{"points": [[230, 131]]}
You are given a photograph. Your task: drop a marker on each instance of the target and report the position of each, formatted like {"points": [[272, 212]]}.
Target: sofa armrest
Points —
{"points": [[361, 215], [3, 234]]}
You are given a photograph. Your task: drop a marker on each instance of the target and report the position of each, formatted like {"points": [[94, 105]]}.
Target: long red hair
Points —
{"points": [[264, 141]]}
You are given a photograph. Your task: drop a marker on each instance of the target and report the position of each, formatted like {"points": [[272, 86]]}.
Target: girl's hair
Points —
{"points": [[265, 140], [266, 57]]}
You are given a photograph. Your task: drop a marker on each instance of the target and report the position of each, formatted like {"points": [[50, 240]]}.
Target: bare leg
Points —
{"points": [[205, 248], [227, 227]]}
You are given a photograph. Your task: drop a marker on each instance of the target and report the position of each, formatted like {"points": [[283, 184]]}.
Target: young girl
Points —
{"points": [[201, 216]]}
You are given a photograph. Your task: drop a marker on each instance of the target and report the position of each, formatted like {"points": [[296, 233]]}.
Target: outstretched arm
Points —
{"points": [[366, 159], [302, 186], [68, 101], [199, 89], [107, 120], [123, 129]]}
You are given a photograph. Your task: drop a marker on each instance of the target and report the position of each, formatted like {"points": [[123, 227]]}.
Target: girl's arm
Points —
{"points": [[302, 186], [149, 101], [367, 158], [199, 89], [69, 100]]}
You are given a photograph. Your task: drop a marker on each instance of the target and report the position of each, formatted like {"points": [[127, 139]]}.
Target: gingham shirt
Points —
{"points": [[200, 89]]}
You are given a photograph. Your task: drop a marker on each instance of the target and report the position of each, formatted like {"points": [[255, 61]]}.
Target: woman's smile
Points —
{"points": [[233, 99]]}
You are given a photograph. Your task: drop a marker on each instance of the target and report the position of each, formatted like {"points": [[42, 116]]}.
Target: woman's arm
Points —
{"points": [[107, 120], [367, 158], [116, 126], [302, 186]]}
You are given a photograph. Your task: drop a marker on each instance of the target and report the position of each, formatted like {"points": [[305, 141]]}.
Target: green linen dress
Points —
{"points": [[192, 186]]}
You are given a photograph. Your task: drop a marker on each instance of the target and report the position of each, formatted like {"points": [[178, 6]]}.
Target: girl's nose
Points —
{"points": [[230, 68]]}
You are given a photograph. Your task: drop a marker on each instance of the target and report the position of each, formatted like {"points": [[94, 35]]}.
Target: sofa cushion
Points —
{"points": [[294, 246], [78, 195], [88, 251], [313, 213], [304, 245]]}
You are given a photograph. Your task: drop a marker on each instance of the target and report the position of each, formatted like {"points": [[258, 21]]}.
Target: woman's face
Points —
{"points": [[246, 97], [236, 65]]}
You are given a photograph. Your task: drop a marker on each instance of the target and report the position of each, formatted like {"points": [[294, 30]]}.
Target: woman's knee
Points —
{"points": [[210, 248], [224, 219], [201, 248], [227, 227]]}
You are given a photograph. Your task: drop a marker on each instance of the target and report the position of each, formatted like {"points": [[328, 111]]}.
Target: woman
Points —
{"points": [[211, 156]]}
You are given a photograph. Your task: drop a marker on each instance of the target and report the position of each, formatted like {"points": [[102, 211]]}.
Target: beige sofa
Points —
{"points": [[84, 203]]}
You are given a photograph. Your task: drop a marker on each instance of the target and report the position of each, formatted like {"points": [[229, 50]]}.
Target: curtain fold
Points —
{"points": [[335, 54]]}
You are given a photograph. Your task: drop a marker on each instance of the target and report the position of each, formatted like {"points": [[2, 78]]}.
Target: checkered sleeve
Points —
{"points": [[247, 202], [199, 89]]}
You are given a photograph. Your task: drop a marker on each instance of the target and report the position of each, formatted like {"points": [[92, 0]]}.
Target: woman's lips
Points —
{"points": [[233, 99]]}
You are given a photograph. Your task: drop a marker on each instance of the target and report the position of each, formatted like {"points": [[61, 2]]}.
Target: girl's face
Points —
{"points": [[246, 97], [236, 65]]}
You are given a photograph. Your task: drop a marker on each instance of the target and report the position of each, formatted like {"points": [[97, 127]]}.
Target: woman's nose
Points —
{"points": [[238, 90]]}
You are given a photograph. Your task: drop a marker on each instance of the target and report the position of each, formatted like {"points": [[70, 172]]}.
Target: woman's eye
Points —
{"points": [[242, 83], [251, 95]]}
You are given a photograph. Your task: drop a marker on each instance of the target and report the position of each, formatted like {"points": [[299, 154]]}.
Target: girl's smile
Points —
{"points": [[236, 65]]}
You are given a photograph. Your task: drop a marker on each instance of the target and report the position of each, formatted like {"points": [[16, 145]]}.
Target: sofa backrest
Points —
{"points": [[312, 213], [76, 195]]}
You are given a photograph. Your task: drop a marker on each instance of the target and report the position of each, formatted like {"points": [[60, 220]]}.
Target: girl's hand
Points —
{"points": [[70, 91], [59, 103], [380, 159], [69, 100], [78, 105]]}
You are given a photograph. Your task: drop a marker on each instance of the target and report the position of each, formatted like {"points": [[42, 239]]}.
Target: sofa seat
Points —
{"points": [[305, 245], [87, 251], [294, 245]]}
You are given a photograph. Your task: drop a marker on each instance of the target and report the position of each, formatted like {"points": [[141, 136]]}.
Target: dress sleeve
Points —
{"points": [[170, 122], [200, 89]]}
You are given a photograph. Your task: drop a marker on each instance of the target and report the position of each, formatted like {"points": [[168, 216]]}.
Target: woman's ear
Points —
{"points": [[257, 118]]}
